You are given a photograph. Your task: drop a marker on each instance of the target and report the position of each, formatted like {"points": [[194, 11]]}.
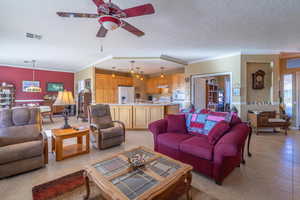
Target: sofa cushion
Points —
{"points": [[19, 134], [6, 118], [111, 132], [15, 152], [217, 132], [198, 146], [176, 124], [172, 140], [20, 116]]}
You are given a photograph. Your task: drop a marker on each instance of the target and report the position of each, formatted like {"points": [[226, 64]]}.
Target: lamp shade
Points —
{"points": [[64, 98]]}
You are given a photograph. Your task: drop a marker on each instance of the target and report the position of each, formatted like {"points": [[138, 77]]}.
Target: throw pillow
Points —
{"points": [[217, 132], [219, 116], [176, 123], [209, 125], [195, 122]]}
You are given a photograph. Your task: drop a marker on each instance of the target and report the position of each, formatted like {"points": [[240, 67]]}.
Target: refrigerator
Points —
{"points": [[125, 95]]}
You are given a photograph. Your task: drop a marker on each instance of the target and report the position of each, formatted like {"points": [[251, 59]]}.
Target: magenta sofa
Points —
{"points": [[215, 161]]}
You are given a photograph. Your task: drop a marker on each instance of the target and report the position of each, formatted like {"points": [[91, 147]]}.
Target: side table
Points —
{"points": [[66, 151]]}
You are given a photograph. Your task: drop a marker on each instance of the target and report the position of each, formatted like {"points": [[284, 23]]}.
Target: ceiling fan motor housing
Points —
{"points": [[110, 22]]}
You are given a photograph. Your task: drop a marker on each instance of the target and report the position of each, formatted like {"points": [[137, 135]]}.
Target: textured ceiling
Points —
{"points": [[189, 30]]}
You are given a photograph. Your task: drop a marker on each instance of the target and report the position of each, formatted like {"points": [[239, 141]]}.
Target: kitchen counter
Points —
{"points": [[140, 115], [143, 104]]}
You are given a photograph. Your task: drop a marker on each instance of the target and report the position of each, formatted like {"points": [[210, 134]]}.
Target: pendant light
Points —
{"points": [[137, 73], [113, 75], [132, 69], [32, 88], [162, 75], [142, 75]]}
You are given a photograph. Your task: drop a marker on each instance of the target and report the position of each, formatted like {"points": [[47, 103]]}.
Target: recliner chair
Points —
{"points": [[104, 131], [23, 146]]}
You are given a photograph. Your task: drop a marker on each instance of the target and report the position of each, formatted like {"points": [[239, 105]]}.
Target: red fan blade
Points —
{"points": [[98, 2], [102, 32], [132, 29], [83, 15], [146, 9]]}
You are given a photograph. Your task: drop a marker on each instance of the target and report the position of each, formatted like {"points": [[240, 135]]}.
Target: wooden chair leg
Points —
{"points": [[50, 116]]}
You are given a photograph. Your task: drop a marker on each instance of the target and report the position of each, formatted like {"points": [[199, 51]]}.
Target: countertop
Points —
{"points": [[143, 104]]}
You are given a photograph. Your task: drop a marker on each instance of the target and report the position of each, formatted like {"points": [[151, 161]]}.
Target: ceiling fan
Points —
{"points": [[111, 16]]}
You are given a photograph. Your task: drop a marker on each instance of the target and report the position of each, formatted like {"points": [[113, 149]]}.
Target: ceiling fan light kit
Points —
{"points": [[109, 22], [111, 17]]}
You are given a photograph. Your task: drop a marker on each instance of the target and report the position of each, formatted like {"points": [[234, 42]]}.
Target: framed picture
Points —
{"points": [[26, 84], [55, 87]]}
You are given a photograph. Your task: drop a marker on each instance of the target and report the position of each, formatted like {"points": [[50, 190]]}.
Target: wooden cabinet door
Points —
{"points": [[155, 113], [124, 114], [140, 117], [149, 86], [113, 110]]}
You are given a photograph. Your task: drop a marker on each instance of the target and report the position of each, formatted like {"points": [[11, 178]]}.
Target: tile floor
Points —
{"points": [[273, 172]]}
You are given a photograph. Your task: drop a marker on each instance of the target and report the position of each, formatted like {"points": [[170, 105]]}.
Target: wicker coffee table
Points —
{"points": [[160, 178]]}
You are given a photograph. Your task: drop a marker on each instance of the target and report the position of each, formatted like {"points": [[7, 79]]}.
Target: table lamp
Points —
{"points": [[64, 98]]}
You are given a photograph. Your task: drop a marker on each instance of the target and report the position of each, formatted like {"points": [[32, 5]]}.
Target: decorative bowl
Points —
{"points": [[137, 160]]}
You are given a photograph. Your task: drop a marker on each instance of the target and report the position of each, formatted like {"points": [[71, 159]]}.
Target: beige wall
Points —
{"points": [[229, 64], [237, 65], [273, 59], [259, 95], [87, 73]]}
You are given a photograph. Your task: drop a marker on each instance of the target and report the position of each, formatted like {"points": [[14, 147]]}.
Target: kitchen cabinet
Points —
{"points": [[139, 116], [173, 81], [155, 113], [123, 114], [107, 87]]}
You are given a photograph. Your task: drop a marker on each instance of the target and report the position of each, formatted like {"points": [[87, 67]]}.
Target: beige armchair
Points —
{"points": [[23, 146], [104, 131]]}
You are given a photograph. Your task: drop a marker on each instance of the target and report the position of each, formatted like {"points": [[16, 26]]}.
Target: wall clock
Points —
{"points": [[258, 79]]}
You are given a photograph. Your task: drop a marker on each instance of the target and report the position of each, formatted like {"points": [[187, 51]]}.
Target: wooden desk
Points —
{"points": [[62, 152]]}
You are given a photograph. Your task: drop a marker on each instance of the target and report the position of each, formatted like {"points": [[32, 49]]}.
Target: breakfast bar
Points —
{"points": [[139, 115]]}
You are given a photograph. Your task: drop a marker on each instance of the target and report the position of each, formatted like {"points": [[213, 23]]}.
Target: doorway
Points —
{"points": [[212, 91]]}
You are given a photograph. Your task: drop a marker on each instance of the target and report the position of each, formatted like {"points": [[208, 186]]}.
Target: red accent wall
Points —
{"points": [[16, 75]]}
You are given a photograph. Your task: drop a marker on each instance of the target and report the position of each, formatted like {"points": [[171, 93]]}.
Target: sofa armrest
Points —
{"points": [[158, 127], [231, 144]]}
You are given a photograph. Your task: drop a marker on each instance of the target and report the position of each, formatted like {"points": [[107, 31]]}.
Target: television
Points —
{"points": [[55, 87]]}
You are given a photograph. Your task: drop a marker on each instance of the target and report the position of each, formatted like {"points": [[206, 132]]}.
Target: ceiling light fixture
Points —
{"points": [[113, 75], [32, 87], [142, 75], [132, 69], [137, 73], [162, 75]]}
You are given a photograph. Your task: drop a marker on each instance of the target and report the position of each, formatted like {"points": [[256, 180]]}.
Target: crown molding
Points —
{"points": [[38, 68], [215, 58]]}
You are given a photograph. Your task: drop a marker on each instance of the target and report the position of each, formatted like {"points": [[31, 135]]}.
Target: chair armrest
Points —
{"points": [[120, 123], [94, 127], [45, 145]]}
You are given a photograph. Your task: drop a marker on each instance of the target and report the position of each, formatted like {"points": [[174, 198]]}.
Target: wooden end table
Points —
{"points": [[161, 178], [66, 151]]}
